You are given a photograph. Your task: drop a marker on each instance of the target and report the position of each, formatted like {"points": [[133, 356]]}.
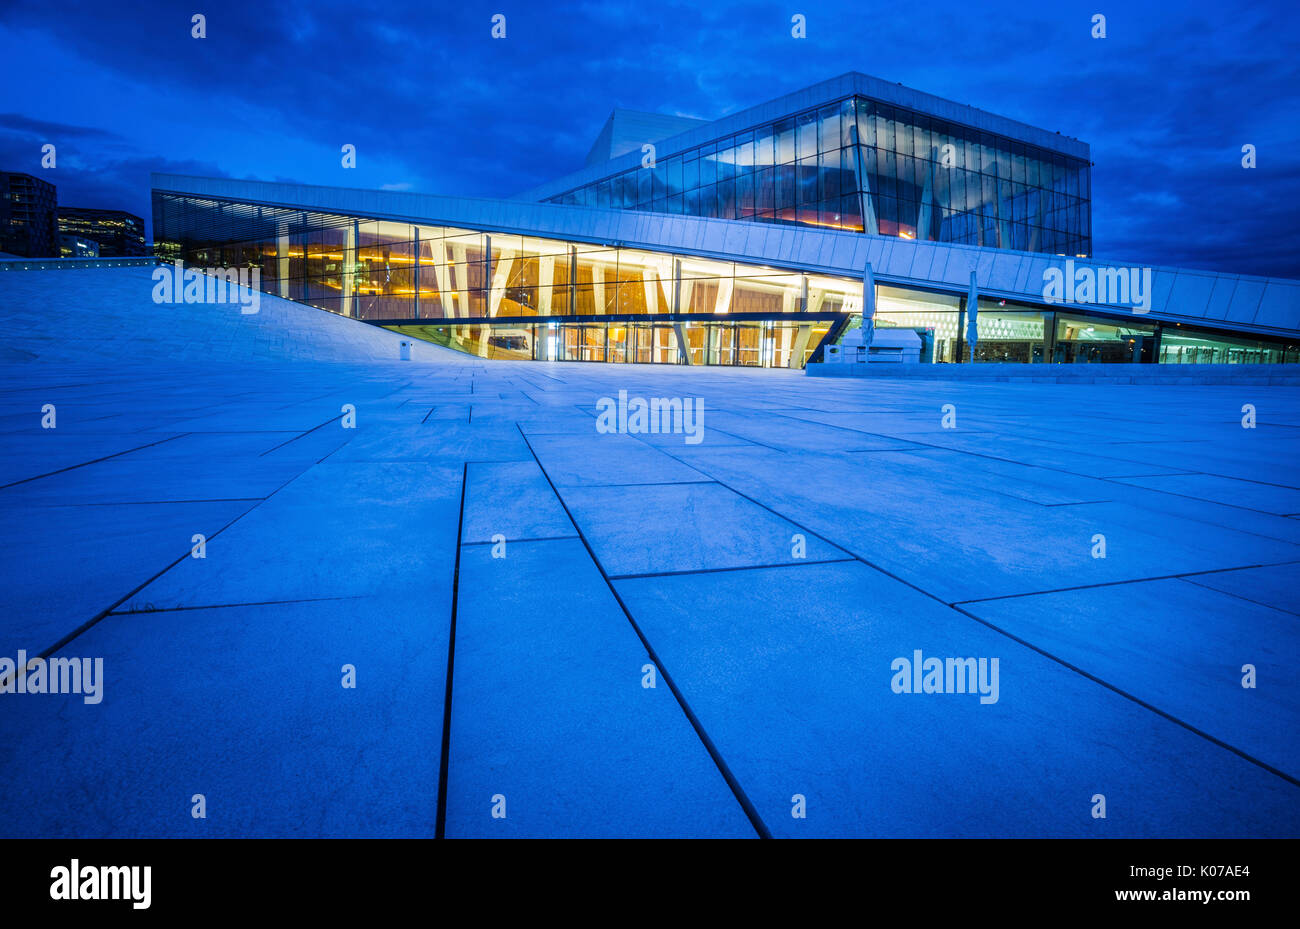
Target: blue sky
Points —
{"points": [[434, 104]]}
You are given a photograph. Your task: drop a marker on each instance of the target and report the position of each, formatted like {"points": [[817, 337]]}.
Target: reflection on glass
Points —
{"points": [[868, 167], [589, 302]]}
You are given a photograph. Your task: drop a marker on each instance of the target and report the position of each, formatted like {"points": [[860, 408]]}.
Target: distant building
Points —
{"points": [[119, 234], [28, 218], [75, 246]]}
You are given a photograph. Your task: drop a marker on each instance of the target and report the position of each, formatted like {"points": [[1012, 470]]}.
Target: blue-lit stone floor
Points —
{"points": [[763, 580]]}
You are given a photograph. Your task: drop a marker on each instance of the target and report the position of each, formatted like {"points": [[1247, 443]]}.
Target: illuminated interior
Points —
{"points": [[499, 295], [869, 167]]}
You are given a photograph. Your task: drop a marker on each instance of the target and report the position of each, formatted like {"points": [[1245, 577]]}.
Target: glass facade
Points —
{"points": [[601, 303], [761, 343], [936, 318], [1010, 332], [511, 296], [1184, 345], [865, 166]]}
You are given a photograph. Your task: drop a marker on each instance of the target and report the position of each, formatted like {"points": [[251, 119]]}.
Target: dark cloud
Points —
{"points": [[94, 168], [15, 124]]}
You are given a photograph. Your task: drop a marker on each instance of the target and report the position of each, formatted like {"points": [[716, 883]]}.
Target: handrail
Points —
{"points": [[67, 264]]}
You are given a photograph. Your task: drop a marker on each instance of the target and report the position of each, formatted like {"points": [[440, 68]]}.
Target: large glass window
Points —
{"points": [[933, 317], [1006, 334], [1182, 345], [911, 175], [595, 302], [1093, 340]]}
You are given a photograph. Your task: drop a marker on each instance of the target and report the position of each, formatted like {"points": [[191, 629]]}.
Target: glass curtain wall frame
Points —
{"points": [[1180, 344], [378, 269], [866, 166], [411, 272], [748, 343]]}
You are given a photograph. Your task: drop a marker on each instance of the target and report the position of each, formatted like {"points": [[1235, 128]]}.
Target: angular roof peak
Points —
{"points": [[627, 130]]}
